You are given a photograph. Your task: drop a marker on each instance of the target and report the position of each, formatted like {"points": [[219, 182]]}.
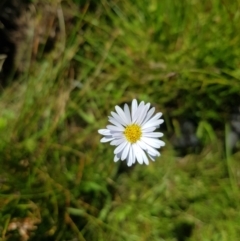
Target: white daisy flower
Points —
{"points": [[133, 133]]}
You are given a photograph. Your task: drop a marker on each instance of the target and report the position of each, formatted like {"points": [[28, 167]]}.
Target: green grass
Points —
{"points": [[181, 56]]}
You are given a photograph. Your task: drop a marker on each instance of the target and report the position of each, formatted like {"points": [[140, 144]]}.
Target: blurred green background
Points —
{"points": [[81, 58]]}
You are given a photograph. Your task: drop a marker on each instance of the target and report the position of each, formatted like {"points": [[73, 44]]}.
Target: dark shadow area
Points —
{"points": [[183, 230]]}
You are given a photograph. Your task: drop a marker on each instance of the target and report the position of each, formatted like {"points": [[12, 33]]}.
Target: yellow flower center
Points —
{"points": [[133, 133]]}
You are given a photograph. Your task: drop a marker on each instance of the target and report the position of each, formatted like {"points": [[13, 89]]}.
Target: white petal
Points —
{"points": [[117, 134], [106, 139], [153, 142], [134, 107], [151, 150], [104, 132], [150, 129], [116, 158], [138, 112], [115, 128], [145, 159], [119, 155], [153, 134], [130, 159], [143, 114], [152, 157], [127, 113], [141, 144], [129, 162], [137, 152], [141, 104], [156, 141], [162, 143], [117, 142], [114, 121], [155, 117], [149, 115], [118, 118], [125, 152], [121, 114], [120, 147], [152, 123], [133, 155]]}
